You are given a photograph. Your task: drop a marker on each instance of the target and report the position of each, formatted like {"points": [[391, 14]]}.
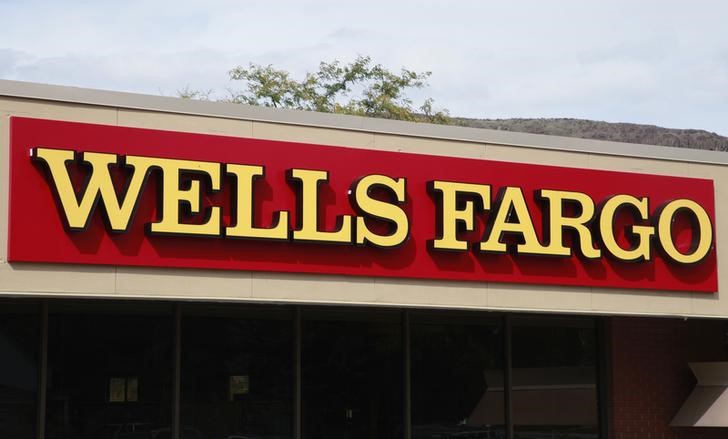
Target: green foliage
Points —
{"points": [[359, 88], [199, 95]]}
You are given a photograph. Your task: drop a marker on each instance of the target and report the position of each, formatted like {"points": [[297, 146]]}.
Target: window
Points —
{"points": [[19, 337], [245, 371], [237, 372], [554, 378], [109, 370], [352, 375], [457, 376]]}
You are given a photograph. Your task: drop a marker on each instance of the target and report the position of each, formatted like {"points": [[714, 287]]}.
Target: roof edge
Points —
{"points": [[135, 101]]}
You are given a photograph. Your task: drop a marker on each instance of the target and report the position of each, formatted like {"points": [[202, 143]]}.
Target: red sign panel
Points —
{"points": [[201, 201]]}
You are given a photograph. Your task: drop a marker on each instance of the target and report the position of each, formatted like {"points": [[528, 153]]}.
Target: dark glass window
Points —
{"points": [[457, 377], [352, 375], [111, 366], [109, 371], [19, 344], [237, 373], [554, 378]]}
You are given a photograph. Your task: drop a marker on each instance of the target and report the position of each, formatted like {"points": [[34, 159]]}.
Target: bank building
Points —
{"points": [[176, 269]]}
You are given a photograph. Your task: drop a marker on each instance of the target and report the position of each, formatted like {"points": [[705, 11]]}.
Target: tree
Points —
{"points": [[359, 88]]}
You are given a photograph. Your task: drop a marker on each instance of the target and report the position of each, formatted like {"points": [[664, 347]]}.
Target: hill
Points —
{"points": [[618, 132]]}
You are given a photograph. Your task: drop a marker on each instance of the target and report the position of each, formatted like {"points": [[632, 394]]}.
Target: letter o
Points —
{"points": [[700, 248]]}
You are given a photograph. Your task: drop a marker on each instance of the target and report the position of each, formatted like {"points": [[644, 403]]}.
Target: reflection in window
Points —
{"points": [[237, 373], [457, 377], [110, 368], [18, 369], [109, 371], [352, 375], [123, 389], [554, 378]]}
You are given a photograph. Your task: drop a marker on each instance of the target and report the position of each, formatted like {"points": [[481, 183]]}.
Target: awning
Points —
{"points": [[707, 406]]}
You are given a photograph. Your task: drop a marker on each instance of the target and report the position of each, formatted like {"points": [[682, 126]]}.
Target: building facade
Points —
{"points": [[182, 269]]}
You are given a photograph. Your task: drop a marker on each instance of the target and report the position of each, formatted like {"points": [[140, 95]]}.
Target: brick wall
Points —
{"points": [[651, 377]]}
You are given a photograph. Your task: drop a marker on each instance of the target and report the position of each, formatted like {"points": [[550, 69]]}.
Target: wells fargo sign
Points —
{"points": [[93, 194]]}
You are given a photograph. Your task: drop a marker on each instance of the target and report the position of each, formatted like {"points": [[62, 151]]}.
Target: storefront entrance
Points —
{"points": [[123, 370]]}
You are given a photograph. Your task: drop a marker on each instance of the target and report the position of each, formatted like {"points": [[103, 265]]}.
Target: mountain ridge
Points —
{"points": [[599, 130]]}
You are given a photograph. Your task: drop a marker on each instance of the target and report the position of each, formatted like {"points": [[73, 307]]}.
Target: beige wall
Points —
{"points": [[92, 281]]}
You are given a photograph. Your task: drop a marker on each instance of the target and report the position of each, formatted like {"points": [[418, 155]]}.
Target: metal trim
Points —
{"points": [[508, 376], [177, 371], [407, 376], [297, 394], [42, 372], [604, 374]]}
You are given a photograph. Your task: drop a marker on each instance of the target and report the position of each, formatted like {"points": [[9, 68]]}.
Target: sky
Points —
{"points": [[642, 61]]}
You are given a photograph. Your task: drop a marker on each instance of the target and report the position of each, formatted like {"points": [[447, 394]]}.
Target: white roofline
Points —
{"points": [[104, 98]]}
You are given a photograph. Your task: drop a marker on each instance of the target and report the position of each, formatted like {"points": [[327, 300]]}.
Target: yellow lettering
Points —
{"points": [[173, 196], [700, 246], [556, 223], [307, 216], [609, 211], [361, 199], [453, 211], [513, 202], [243, 228], [99, 186]]}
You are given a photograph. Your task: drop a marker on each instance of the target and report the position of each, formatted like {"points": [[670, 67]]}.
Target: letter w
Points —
{"points": [[99, 185]]}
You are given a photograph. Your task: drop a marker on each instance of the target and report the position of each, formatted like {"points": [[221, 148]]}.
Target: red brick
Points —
{"points": [[651, 377]]}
